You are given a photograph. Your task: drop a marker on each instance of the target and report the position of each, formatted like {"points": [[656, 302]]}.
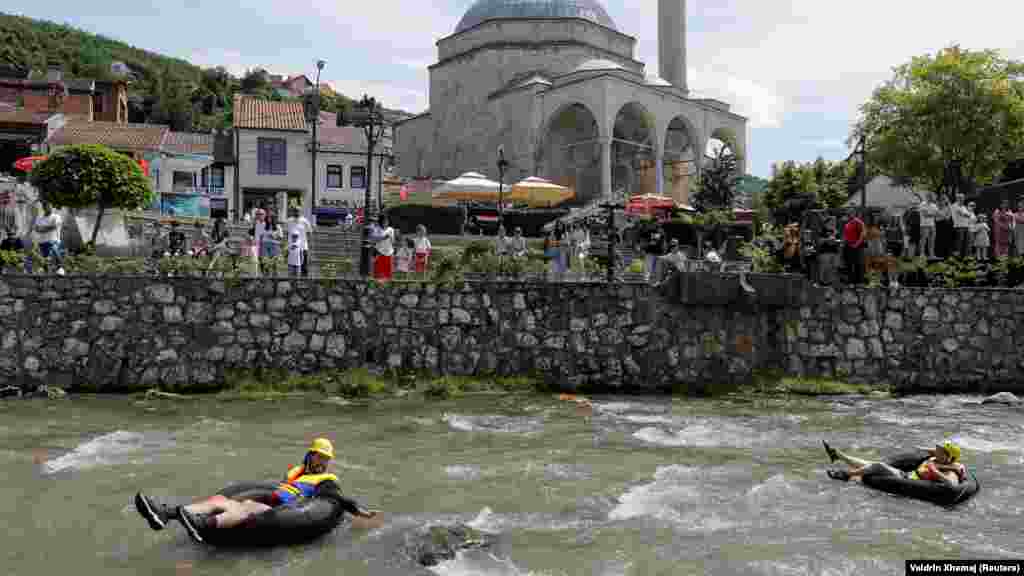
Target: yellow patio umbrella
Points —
{"points": [[540, 192]]}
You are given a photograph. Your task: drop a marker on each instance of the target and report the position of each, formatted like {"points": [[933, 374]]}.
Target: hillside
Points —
{"points": [[162, 90]]}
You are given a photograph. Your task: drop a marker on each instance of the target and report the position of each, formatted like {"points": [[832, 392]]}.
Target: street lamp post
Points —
{"points": [[366, 115], [315, 116], [502, 165]]}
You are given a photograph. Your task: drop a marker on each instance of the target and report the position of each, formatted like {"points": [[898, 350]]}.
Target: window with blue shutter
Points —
{"points": [[272, 158]]}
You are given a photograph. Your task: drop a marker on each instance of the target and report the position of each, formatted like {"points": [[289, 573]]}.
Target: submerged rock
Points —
{"points": [[51, 392], [1005, 398], [10, 392], [441, 543]]}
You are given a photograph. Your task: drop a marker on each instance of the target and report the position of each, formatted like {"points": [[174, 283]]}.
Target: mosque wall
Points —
{"points": [[128, 333]]}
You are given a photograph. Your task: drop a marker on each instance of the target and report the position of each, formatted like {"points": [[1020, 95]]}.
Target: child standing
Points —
{"points": [[981, 239], [404, 259], [295, 250], [423, 249]]}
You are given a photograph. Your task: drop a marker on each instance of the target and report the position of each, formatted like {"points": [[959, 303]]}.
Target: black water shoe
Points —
{"points": [[832, 454], [156, 514], [839, 475], [193, 523]]}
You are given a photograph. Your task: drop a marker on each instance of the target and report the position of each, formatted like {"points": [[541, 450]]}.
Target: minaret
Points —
{"points": [[672, 42]]}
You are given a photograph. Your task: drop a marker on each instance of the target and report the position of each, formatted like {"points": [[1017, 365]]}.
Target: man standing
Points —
{"points": [[928, 211], [299, 226], [961, 227], [47, 228], [854, 234]]}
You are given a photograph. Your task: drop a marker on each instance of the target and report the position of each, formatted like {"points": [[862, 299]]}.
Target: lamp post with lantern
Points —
{"points": [[368, 115]]}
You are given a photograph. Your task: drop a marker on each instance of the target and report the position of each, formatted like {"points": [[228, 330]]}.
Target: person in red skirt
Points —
{"points": [[423, 248], [385, 247]]}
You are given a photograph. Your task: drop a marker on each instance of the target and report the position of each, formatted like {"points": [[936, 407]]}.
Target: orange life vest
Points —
{"points": [[300, 485]]}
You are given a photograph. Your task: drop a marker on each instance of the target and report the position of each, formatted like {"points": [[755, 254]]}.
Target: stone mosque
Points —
{"points": [[556, 85]]}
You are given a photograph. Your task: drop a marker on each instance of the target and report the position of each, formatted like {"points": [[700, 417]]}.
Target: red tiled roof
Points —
{"points": [[118, 136], [188, 143], [257, 114]]}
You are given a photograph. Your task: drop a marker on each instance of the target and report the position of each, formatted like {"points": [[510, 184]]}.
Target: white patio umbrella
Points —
{"points": [[469, 186]]}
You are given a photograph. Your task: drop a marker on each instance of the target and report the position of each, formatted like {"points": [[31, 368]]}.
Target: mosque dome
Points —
{"points": [[484, 10]]}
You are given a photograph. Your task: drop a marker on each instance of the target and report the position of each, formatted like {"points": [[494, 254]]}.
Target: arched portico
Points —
{"points": [[679, 159], [634, 152], [570, 153]]}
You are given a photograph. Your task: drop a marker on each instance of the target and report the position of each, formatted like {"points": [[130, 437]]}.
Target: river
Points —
{"points": [[637, 486]]}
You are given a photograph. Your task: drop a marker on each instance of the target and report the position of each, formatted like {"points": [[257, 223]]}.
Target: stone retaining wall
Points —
{"points": [[127, 333]]}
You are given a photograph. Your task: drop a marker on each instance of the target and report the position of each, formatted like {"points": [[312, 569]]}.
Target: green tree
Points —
{"points": [[948, 121], [87, 175], [791, 191], [832, 181], [717, 186]]}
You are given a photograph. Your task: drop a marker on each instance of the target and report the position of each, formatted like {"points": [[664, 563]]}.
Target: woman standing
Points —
{"points": [[423, 249], [1002, 222], [1018, 229], [944, 231], [270, 242]]}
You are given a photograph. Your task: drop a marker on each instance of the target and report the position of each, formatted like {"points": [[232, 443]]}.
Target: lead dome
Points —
{"points": [[484, 10]]}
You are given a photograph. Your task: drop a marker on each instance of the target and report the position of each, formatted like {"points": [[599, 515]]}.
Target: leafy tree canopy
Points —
{"points": [[87, 175], [948, 121], [797, 187]]}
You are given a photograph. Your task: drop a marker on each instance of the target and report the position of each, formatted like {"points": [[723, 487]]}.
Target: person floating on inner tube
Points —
{"points": [[943, 465], [309, 480]]}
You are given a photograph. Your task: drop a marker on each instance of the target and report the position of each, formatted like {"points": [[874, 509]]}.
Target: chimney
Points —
{"points": [[672, 42], [54, 72]]}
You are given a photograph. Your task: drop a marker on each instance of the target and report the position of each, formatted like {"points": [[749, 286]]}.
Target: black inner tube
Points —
{"points": [[935, 492], [303, 521]]}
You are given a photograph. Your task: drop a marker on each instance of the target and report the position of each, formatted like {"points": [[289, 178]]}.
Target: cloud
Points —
{"points": [[761, 104]]}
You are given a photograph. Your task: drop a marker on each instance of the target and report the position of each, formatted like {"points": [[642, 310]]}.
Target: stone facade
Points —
{"points": [[120, 334]]}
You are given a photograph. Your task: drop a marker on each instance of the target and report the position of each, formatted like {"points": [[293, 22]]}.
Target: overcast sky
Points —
{"points": [[797, 68]]}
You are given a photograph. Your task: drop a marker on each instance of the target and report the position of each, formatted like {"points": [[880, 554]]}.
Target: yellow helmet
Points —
{"points": [[952, 449], [322, 446]]}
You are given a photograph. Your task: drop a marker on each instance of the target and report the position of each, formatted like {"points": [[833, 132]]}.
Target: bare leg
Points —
{"points": [[235, 515], [211, 505]]}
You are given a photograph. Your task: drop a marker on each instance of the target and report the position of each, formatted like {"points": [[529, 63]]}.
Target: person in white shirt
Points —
{"points": [[961, 227], [301, 226], [423, 248], [47, 228], [385, 246], [928, 211], [296, 253]]}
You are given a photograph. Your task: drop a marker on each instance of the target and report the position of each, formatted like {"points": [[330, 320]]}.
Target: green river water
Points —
{"points": [[641, 486]]}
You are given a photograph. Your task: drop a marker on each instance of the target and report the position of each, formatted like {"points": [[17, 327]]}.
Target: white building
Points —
{"points": [[555, 83], [273, 164], [341, 166]]}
